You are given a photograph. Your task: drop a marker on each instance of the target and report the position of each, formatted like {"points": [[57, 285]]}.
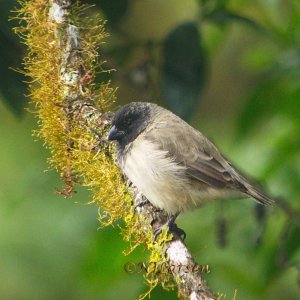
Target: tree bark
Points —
{"points": [[187, 274]]}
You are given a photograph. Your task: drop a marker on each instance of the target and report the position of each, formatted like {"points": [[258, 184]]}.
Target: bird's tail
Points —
{"points": [[258, 195]]}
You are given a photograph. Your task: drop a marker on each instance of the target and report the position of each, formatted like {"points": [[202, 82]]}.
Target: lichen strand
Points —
{"points": [[75, 150], [71, 147], [158, 271]]}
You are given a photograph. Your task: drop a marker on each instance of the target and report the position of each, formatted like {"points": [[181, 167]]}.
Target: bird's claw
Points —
{"points": [[172, 228], [157, 232]]}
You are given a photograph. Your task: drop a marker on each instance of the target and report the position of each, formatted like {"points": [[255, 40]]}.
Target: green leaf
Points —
{"points": [[183, 69], [225, 16]]}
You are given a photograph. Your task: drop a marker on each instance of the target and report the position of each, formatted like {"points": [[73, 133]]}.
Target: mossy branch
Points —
{"points": [[74, 118]]}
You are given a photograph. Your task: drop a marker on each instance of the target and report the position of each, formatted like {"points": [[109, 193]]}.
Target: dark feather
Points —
{"points": [[202, 160], [203, 172]]}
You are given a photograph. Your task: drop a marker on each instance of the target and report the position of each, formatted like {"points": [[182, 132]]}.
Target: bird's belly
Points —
{"points": [[157, 176], [164, 182]]}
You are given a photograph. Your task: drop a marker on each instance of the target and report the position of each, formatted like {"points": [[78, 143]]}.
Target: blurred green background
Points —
{"points": [[231, 69]]}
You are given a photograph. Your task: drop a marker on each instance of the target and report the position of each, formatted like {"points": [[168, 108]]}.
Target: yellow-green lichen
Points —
{"points": [[72, 147], [158, 271]]}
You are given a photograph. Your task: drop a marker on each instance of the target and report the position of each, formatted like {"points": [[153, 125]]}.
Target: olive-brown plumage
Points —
{"points": [[175, 166]]}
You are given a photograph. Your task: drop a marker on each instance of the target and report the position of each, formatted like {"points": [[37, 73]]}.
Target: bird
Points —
{"points": [[174, 165]]}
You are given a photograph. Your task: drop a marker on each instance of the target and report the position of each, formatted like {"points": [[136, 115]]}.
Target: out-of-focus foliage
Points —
{"points": [[183, 69], [12, 87], [114, 11], [248, 100]]}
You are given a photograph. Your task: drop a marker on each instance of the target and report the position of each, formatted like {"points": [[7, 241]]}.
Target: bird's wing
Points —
{"points": [[202, 160]]}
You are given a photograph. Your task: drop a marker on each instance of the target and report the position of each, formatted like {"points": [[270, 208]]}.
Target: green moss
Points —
{"points": [[72, 146]]}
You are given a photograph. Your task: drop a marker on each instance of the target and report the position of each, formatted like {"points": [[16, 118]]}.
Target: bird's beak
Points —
{"points": [[114, 134]]}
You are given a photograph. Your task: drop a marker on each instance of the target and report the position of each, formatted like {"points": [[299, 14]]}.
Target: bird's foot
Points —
{"points": [[172, 228]]}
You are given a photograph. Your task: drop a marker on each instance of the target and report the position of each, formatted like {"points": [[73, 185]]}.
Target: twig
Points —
{"points": [[186, 272]]}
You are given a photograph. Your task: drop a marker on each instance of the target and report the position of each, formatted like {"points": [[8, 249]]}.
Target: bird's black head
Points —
{"points": [[129, 121]]}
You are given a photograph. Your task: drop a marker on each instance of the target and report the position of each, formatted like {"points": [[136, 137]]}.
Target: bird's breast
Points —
{"points": [[156, 175]]}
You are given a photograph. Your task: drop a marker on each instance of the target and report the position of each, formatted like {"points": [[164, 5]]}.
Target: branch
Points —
{"points": [[82, 110]]}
